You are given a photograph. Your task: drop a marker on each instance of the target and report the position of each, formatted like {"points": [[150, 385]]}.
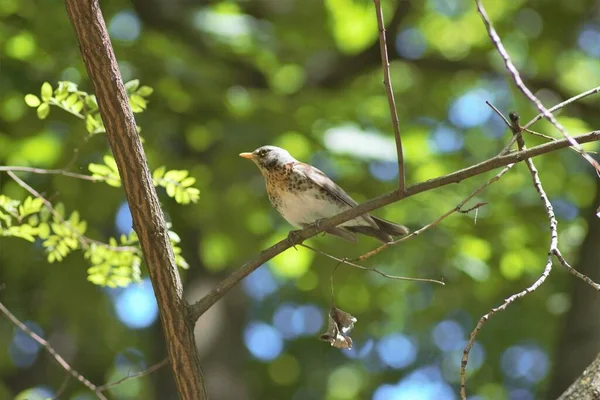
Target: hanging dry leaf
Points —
{"points": [[340, 323]]}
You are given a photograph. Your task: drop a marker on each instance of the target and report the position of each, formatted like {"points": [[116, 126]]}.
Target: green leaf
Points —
{"points": [[188, 181], [171, 188], [145, 91], [158, 174], [91, 102], [77, 107], [43, 110], [90, 123], [46, 91], [132, 85], [110, 161], [71, 100], [32, 100], [138, 103], [100, 169], [176, 175]]}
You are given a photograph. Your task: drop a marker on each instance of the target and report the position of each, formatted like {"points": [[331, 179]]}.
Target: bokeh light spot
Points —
{"points": [[136, 305], [397, 350], [470, 109], [448, 335], [123, 220], [260, 283], [263, 341], [285, 370], [345, 382], [125, 26]]}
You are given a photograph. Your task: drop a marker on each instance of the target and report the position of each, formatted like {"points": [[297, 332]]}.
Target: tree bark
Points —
{"points": [[149, 223], [587, 386]]}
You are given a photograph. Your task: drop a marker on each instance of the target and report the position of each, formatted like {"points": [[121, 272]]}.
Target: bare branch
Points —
{"points": [[61, 361], [140, 374], [385, 64], [200, 307], [553, 245], [519, 82], [50, 172], [483, 320], [348, 262], [563, 104], [573, 271], [62, 386], [458, 208]]}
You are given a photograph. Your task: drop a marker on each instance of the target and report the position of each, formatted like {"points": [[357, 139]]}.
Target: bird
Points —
{"points": [[304, 195]]}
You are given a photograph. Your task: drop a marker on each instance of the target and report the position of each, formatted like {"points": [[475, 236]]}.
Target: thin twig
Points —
{"points": [[475, 207], [525, 90], [221, 289], [64, 172], [61, 361], [483, 320], [563, 104], [51, 172], [84, 240], [134, 376], [458, 208], [385, 64], [512, 140], [348, 262], [553, 245], [573, 271], [62, 387]]}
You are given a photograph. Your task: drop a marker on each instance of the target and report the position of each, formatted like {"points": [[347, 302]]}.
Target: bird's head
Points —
{"points": [[268, 158]]}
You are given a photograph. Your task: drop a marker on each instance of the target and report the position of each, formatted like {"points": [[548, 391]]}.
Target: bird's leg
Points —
{"points": [[318, 223], [293, 238]]}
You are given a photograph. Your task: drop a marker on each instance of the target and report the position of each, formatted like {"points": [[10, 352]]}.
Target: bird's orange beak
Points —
{"points": [[249, 156]]}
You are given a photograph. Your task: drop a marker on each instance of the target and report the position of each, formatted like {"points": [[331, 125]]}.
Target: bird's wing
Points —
{"points": [[322, 180]]}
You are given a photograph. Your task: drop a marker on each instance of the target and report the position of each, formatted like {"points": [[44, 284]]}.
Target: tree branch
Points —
{"points": [[553, 250], [148, 218], [385, 64], [553, 245], [372, 269], [458, 208], [139, 374], [61, 361], [523, 88], [200, 307], [41, 171]]}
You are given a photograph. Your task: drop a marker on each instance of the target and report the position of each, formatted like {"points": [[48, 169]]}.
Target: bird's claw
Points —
{"points": [[294, 239], [319, 222]]}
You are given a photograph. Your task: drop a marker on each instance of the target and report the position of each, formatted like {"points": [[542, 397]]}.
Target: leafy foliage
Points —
{"points": [[118, 262], [83, 105], [178, 183]]}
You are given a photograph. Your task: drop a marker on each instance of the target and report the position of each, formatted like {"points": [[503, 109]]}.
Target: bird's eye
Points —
{"points": [[263, 152]]}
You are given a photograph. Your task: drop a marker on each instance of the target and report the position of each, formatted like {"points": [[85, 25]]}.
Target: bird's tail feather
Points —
{"points": [[370, 231], [344, 234], [390, 228]]}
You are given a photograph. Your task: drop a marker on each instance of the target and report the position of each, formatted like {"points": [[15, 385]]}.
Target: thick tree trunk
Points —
{"points": [[587, 387], [148, 218], [580, 339]]}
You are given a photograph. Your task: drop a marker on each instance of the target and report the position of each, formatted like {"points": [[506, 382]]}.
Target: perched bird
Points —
{"points": [[303, 195]]}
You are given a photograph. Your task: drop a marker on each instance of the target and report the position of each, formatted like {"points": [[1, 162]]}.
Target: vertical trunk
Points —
{"points": [[148, 218]]}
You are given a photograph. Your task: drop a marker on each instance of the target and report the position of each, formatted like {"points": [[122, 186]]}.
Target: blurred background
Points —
{"points": [[230, 76]]}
